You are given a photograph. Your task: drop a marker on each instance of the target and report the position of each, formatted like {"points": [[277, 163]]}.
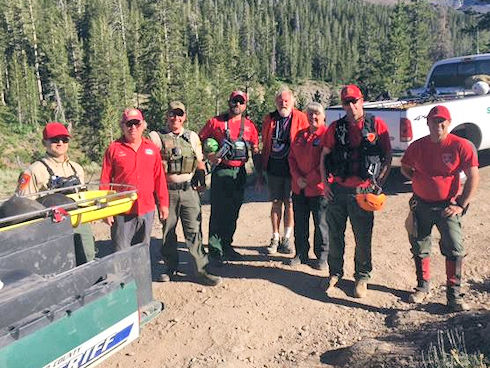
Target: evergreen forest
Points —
{"points": [[82, 62]]}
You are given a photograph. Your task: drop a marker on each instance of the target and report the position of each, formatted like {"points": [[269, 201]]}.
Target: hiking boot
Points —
{"points": [[418, 296], [285, 246], [360, 289], [208, 279], [293, 261], [272, 248], [164, 277], [457, 305], [232, 255], [167, 274], [332, 281], [216, 260], [320, 265]]}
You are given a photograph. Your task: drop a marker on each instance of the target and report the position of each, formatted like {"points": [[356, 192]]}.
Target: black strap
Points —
{"points": [[227, 130], [186, 136], [50, 171], [287, 126], [368, 126]]}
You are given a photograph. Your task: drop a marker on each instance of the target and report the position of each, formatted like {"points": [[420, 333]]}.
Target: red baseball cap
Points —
{"points": [[439, 111], [55, 129], [349, 92], [238, 93], [131, 114]]}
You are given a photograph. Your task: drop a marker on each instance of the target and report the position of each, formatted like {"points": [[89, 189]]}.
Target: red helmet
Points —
{"points": [[370, 201]]}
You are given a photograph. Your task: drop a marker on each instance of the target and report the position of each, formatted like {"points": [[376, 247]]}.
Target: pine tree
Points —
{"points": [[370, 66], [396, 77], [62, 89], [108, 86], [418, 14], [22, 93]]}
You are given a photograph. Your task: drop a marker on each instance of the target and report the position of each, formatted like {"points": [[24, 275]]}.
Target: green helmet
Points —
{"points": [[210, 145]]}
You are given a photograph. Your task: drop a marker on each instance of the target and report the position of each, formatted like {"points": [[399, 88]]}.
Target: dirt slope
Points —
{"points": [[265, 314]]}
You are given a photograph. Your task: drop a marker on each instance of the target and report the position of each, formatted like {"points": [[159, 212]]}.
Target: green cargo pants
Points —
{"points": [[428, 215], [84, 244], [344, 206], [227, 191], [186, 205]]}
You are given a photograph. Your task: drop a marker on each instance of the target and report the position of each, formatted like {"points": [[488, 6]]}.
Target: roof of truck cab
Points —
{"points": [[463, 58]]}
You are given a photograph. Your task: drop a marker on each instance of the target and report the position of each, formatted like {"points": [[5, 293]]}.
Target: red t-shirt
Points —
{"points": [[355, 139], [215, 128], [304, 161], [141, 169], [437, 166]]}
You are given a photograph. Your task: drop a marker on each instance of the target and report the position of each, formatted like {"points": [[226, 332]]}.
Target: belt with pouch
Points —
{"points": [[179, 186]]}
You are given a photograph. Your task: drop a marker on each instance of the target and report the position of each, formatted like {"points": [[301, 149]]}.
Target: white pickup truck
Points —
{"points": [[406, 118]]}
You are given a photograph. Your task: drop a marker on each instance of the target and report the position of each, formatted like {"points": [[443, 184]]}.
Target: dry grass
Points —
{"points": [[450, 352]]}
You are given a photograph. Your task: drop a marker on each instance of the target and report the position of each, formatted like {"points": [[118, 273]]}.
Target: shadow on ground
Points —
{"points": [[462, 336], [452, 337], [301, 283]]}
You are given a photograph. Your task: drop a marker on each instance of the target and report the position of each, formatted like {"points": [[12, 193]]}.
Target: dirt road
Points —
{"points": [[266, 314]]}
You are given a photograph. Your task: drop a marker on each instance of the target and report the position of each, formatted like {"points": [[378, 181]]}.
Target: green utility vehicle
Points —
{"points": [[55, 314]]}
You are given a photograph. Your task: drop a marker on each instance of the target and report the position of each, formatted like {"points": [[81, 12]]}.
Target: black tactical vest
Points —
{"points": [[370, 155]]}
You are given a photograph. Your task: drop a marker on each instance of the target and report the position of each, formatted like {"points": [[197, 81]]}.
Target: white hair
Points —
{"points": [[282, 90], [315, 107]]}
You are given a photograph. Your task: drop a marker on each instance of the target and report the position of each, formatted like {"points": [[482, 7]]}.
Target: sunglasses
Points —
{"points": [[131, 123], [238, 100], [176, 112], [62, 139], [349, 101]]}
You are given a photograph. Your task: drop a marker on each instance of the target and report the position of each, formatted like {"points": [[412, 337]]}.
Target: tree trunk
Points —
{"points": [[123, 25], [59, 105], [36, 56]]}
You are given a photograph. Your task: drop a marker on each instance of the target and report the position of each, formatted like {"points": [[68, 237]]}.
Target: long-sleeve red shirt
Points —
{"points": [[141, 169], [304, 161]]}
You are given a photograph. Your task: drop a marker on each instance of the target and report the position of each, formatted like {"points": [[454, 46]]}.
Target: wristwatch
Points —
{"points": [[465, 209]]}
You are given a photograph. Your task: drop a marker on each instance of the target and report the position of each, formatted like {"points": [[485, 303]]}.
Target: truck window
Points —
{"points": [[467, 69], [444, 75], [454, 74], [483, 67]]}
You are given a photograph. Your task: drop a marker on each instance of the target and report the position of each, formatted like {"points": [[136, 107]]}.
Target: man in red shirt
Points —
{"points": [[357, 150], [135, 161], [228, 179], [278, 131], [434, 164], [308, 189]]}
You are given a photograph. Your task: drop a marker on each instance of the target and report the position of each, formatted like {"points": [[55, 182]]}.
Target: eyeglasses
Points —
{"points": [[62, 139], [349, 101], [237, 100], [131, 123], [176, 112]]}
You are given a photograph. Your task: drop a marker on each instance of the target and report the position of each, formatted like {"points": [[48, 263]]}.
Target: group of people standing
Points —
{"points": [[311, 169]]}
